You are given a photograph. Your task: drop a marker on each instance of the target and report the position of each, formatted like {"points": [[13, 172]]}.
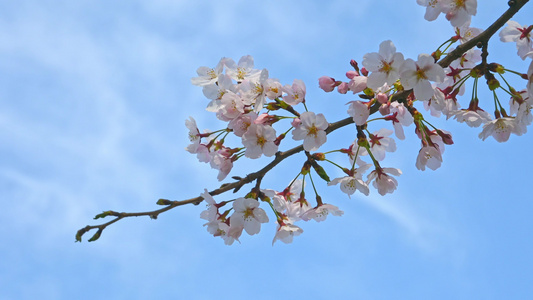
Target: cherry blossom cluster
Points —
{"points": [[390, 89]]}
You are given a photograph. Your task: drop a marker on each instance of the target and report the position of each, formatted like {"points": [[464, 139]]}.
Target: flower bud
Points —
{"points": [[382, 98], [326, 83], [354, 65], [492, 82], [272, 106], [306, 167], [477, 71], [343, 88], [351, 74], [494, 67], [319, 156], [446, 137]]}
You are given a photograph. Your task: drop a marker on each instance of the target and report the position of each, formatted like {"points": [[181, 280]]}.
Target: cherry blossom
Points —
{"points": [[473, 118], [466, 33], [417, 75], [256, 91], [223, 230], [433, 8], [379, 144], [194, 135], [400, 117], [382, 181], [207, 76], [286, 232], [429, 156], [295, 93], [500, 129], [459, 12], [216, 90], [515, 32], [259, 139], [231, 106], [357, 84], [248, 215], [359, 111], [321, 212], [241, 124], [384, 65], [222, 161], [311, 130], [351, 183], [522, 111], [211, 213], [243, 70]]}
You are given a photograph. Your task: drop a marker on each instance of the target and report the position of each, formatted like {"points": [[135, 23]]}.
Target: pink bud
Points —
{"points": [[296, 122], [446, 137], [343, 88], [353, 63], [384, 109], [351, 74], [364, 71], [382, 98], [326, 83]]}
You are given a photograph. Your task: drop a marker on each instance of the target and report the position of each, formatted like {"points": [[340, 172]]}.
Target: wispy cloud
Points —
{"points": [[427, 229]]}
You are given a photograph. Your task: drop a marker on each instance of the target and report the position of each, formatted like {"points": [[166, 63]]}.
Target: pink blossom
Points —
{"points": [[321, 212], [382, 181], [258, 140], [351, 183], [433, 8], [417, 75], [222, 161], [312, 130], [400, 117], [500, 129], [515, 32], [359, 112], [211, 213], [429, 156], [459, 12], [357, 84], [286, 232], [295, 93], [208, 76], [380, 143], [243, 70], [473, 118], [384, 65], [248, 214]]}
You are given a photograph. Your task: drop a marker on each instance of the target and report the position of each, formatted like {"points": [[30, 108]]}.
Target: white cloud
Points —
{"points": [[427, 229]]}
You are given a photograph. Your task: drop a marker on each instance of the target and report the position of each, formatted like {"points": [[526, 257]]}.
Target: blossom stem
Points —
{"points": [[335, 164], [368, 121], [507, 83], [313, 184], [355, 157]]}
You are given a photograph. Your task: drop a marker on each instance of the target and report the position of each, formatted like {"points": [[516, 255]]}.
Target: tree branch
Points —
{"points": [[484, 37]]}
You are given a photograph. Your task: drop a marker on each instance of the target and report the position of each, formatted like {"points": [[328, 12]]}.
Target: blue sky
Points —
{"points": [[93, 99]]}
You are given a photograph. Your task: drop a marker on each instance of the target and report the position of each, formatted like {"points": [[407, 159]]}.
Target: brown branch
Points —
{"points": [[484, 37], [514, 7]]}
